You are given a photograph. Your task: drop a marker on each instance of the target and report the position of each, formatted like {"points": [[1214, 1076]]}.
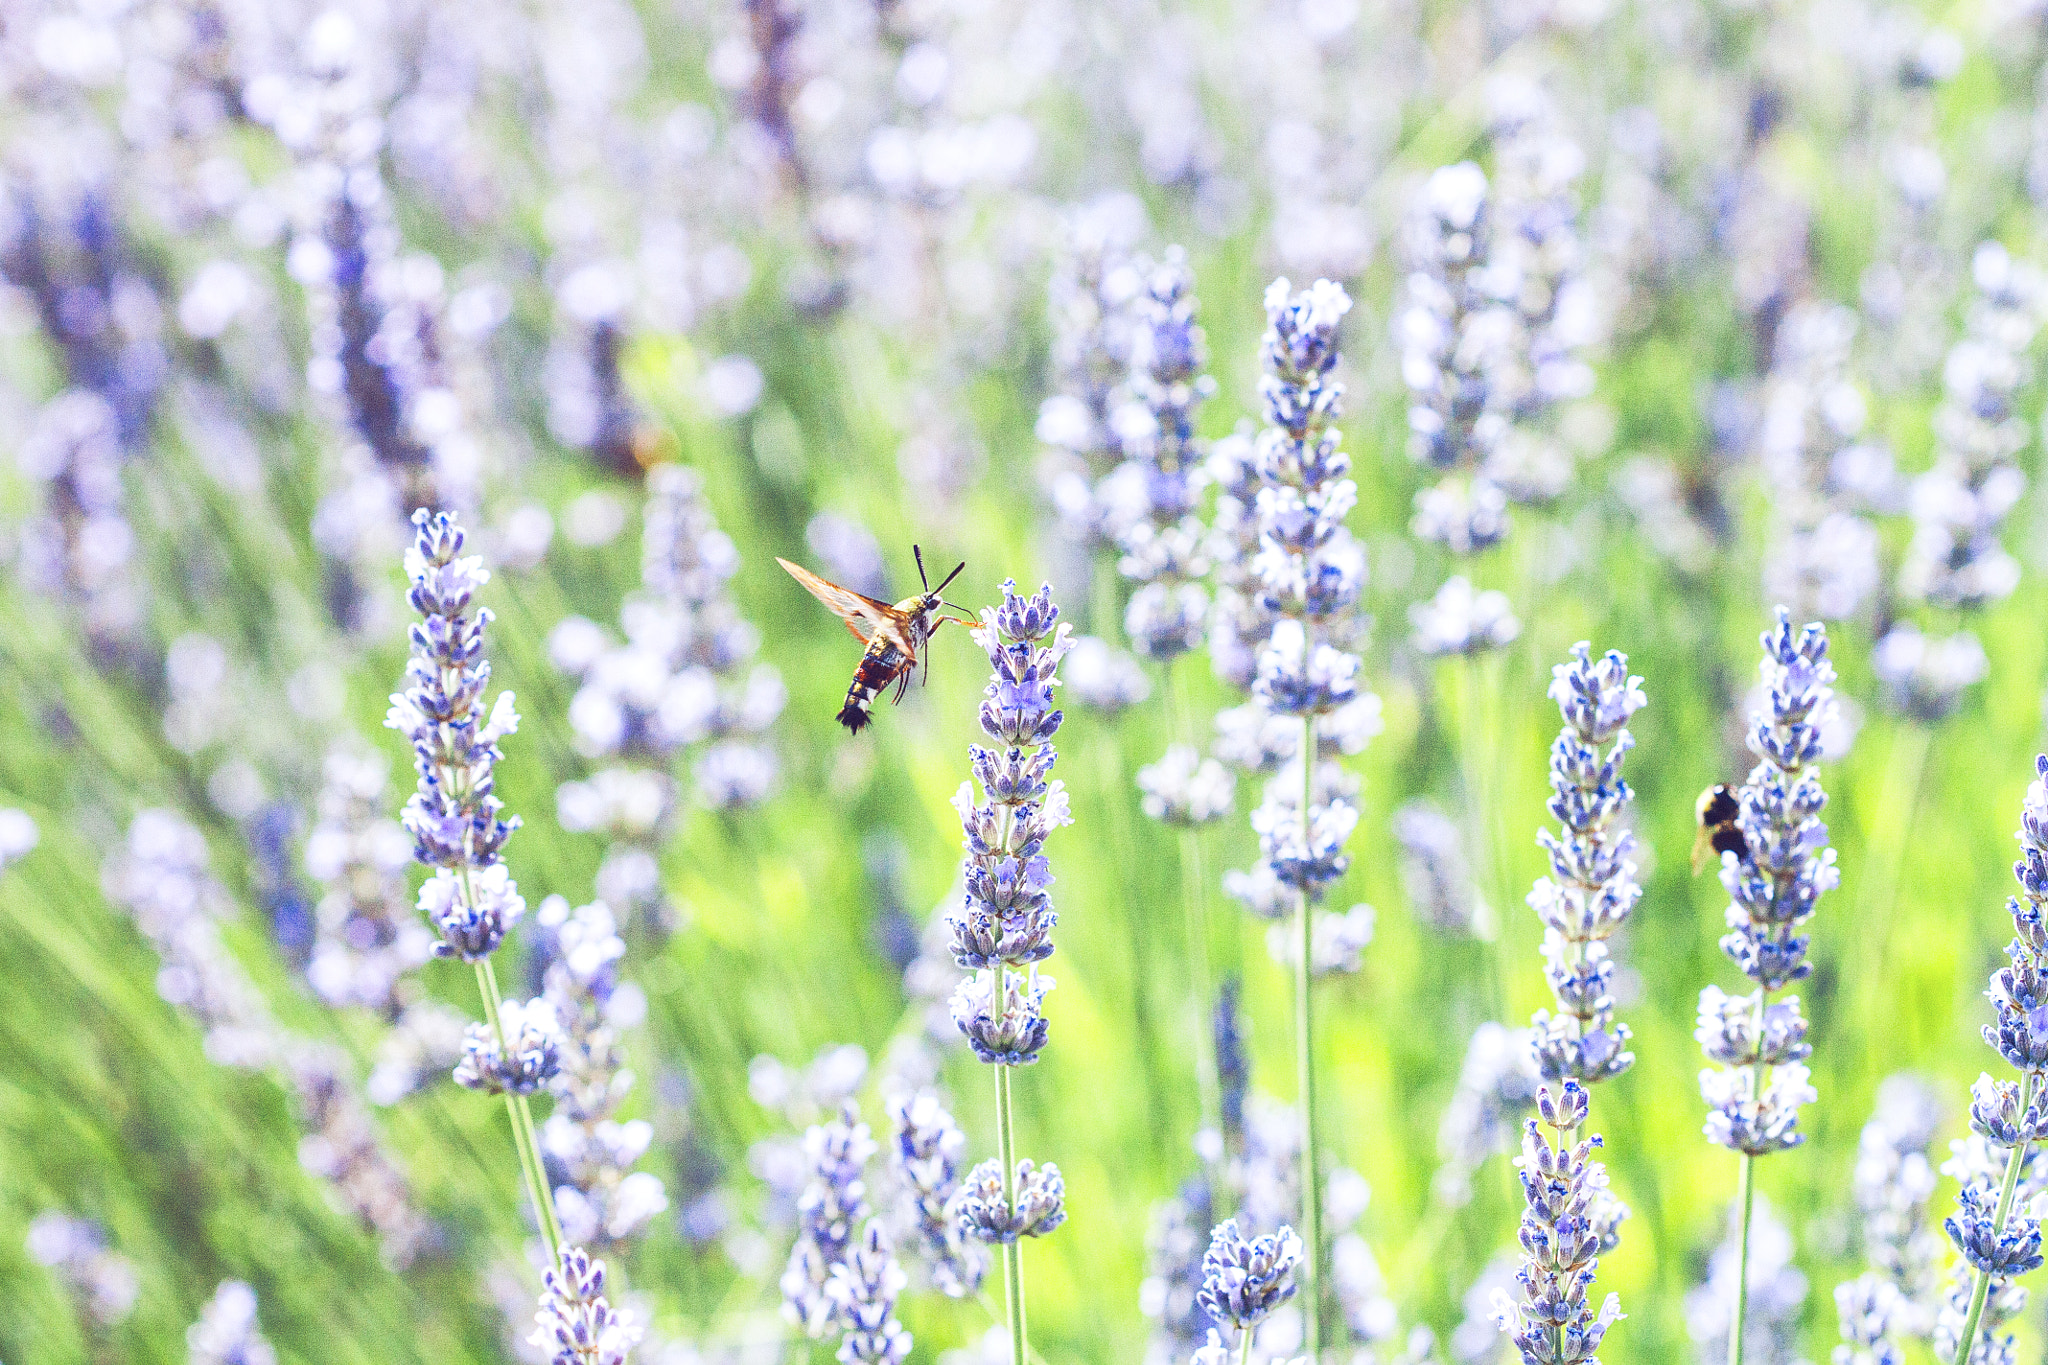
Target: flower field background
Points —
{"points": [[1658, 316]]}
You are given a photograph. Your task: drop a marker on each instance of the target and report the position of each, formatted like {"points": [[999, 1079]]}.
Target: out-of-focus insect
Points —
{"points": [[895, 636], [1719, 833]]}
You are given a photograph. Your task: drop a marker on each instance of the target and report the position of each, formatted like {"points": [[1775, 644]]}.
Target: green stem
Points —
{"points": [[1244, 1346], [1195, 914], [1981, 1291], [1013, 1252], [1759, 1074], [524, 1139], [1305, 1075], [1885, 836], [1487, 917], [1742, 1260]]}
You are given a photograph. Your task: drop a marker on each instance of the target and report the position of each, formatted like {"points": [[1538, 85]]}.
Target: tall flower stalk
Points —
{"points": [[1999, 1244], [1760, 1045], [457, 828], [1571, 1219], [1002, 928], [1310, 573]]}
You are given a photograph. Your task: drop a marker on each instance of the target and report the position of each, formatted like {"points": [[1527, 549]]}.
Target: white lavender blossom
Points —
{"points": [[227, 1332], [1462, 620], [1924, 679], [1184, 789], [101, 1281]]}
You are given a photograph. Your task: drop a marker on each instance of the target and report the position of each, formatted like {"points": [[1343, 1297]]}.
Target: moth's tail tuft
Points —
{"points": [[853, 717]]}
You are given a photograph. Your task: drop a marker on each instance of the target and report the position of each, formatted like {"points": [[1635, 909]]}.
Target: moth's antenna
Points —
{"points": [[949, 577], [918, 551]]}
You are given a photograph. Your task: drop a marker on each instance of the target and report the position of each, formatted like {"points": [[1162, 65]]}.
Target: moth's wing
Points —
{"points": [[863, 615]]}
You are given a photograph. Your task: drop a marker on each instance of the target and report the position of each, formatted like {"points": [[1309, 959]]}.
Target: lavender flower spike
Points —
{"points": [[1004, 924], [1592, 887], [1773, 885], [457, 829], [1567, 1225], [1993, 1231], [1310, 575]]}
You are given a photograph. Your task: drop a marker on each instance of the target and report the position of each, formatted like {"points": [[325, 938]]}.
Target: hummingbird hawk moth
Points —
{"points": [[895, 636]]}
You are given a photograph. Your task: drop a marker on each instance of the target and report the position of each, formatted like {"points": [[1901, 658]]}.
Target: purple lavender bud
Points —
{"points": [[576, 1324], [2002, 1253], [529, 1058], [1866, 1308], [1244, 1281], [1039, 1204], [1009, 1031], [863, 1290]]}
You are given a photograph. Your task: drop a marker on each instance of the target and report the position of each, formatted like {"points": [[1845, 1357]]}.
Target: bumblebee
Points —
{"points": [[1719, 833]]}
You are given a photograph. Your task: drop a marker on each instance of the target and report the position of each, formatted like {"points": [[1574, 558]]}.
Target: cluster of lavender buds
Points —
{"points": [[1569, 1222], [1924, 678], [1774, 883], [1978, 1165], [1239, 625], [864, 1290], [101, 1281], [1592, 884], [1245, 1280], [589, 408], [683, 682], [599, 1198], [1152, 497], [163, 882], [520, 1054], [367, 938], [1310, 575], [1005, 920], [1998, 1237], [1824, 557], [1865, 1308], [1175, 1243], [1775, 1294], [924, 1159], [1453, 333], [1960, 505], [1089, 306], [1461, 620], [227, 1332], [1183, 789], [1893, 1185], [829, 1213], [77, 548], [576, 1324], [453, 817], [1434, 871]]}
